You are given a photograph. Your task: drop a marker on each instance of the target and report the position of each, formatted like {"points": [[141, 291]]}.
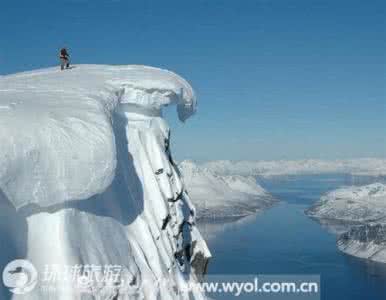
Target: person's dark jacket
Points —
{"points": [[64, 54]]}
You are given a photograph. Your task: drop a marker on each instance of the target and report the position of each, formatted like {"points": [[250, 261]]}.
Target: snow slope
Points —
{"points": [[217, 196], [85, 161], [353, 204], [363, 211], [364, 166]]}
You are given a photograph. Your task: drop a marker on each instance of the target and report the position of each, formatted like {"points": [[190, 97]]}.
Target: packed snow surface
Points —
{"points": [[364, 166], [229, 196], [363, 211], [54, 123], [85, 161]]}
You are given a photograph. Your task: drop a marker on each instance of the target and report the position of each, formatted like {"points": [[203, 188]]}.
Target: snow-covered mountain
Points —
{"points": [[352, 204], [363, 212], [217, 196], [365, 166], [86, 170]]}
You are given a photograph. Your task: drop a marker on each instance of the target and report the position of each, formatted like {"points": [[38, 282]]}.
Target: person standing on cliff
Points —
{"points": [[64, 59]]}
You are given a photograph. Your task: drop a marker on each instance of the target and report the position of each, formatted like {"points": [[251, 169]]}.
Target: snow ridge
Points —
{"points": [[363, 166]]}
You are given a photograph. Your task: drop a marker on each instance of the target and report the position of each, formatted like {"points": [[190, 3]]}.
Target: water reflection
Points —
{"points": [[210, 229]]}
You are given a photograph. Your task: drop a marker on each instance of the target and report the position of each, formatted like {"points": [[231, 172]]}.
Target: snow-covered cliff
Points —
{"points": [[85, 162], [365, 241], [217, 196], [362, 210]]}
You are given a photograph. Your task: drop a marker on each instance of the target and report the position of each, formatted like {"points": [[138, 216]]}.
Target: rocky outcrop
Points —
{"points": [[365, 241]]}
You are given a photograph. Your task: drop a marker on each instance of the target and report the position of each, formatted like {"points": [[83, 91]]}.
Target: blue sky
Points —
{"points": [[276, 79]]}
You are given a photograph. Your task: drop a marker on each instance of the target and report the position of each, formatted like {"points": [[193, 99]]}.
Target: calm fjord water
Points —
{"points": [[283, 240]]}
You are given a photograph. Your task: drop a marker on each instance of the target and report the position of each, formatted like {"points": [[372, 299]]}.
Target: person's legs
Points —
{"points": [[67, 63], [62, 63]]}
